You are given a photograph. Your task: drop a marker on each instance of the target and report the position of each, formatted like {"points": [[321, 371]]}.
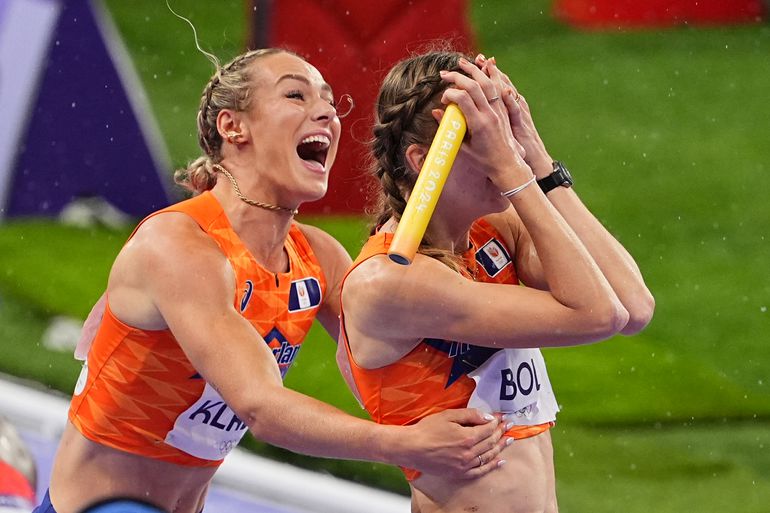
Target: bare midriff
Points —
{"points": [[86, 472], [524, 484]]}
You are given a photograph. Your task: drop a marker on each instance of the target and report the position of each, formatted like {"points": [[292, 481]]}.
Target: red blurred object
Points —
{"points": [[353, 44], [598, 14], [13, 484]]}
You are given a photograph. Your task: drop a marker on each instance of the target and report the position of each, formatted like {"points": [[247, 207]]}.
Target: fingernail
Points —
{"points": [[509, 441], [488, 417], [463, 60], [509, 426], [481, 56], [494, 61], [501, 463], [443, 72]]}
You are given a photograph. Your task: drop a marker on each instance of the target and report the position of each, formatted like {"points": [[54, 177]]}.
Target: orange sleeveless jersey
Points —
{"points": [[433, 376], [137, 385]]}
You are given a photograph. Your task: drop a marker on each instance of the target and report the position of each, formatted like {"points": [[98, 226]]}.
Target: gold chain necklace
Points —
{"points": [[267, 206]]}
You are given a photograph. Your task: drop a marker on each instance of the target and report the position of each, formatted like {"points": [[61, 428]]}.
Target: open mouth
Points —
{"points": [[314, 149]]}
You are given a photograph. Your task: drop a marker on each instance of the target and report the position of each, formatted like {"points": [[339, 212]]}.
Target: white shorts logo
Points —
{"points": [[208, 429], [515, 381]]}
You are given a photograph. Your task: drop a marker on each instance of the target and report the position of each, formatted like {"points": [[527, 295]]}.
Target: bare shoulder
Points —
{"points": [[381, 285], [163, 263], [170, 235], [391, 303]]}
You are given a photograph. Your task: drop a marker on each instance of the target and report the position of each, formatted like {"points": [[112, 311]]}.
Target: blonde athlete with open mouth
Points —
{"points": [[454, 328]]}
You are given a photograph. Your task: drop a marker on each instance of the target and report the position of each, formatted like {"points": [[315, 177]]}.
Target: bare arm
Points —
{"points": [[617, 265], [172, 274], [429, 300]]}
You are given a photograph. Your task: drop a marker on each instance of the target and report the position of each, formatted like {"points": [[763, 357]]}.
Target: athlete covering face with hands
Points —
{"points": [[466, 333]]}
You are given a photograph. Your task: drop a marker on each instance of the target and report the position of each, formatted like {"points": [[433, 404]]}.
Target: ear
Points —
{"points": [[415, 156], [230, 126]]}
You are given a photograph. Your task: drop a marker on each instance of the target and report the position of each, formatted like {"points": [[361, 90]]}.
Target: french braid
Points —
{"points": [[408, 94], [230, 87]]}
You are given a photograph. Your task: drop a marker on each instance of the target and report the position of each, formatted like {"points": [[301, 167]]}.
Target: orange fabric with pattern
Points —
{"points": [[139, 381], [432, 377]]}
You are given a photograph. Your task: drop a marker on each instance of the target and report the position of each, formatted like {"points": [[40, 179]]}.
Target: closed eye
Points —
{"points": [[295, 95]]}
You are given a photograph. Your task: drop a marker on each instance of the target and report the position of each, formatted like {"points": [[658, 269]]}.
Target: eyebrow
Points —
{"points": [[302, 78]]}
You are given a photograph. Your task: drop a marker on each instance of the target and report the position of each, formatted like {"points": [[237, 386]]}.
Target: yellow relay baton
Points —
{"points": [[427, 189]]}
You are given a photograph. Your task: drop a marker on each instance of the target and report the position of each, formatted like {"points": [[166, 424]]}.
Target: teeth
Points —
{"points": [[316, 139]]}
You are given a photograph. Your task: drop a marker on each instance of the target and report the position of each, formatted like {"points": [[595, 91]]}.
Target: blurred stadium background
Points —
{"points": [[666, 132]]}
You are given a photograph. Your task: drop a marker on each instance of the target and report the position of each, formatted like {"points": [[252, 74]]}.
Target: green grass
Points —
{"points": [[666, 469], [666, 135]]}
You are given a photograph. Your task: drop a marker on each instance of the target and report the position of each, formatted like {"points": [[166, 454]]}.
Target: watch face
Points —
{"points": [[561, 174]]}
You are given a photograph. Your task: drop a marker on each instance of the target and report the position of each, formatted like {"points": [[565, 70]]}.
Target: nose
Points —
{"points": [[323, 111]]}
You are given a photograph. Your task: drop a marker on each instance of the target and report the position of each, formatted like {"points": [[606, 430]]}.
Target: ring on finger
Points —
{"points": [[493, 99], [518, 97], [481, 462]]}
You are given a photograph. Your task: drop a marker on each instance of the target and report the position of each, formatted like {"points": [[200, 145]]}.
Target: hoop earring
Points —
{"points": [[350, 105]]}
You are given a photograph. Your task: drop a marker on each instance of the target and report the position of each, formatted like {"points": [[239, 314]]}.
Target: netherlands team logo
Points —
{"points": [[304, 294], [493, 257]]}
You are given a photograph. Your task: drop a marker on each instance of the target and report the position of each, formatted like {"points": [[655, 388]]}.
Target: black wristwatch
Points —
{"points": [[559, 177]]}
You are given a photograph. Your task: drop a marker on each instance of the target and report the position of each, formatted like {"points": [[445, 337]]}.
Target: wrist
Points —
{"points": [[388, 445], [542, 167], [560, 177], [512, 176]]}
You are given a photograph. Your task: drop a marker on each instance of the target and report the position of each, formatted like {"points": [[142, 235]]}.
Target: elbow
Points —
{"points": [[640, 314], [609, 319]]}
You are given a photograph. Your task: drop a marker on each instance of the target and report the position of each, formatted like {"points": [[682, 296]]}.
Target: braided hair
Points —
{"points": [[410, 91], [230, 87]]}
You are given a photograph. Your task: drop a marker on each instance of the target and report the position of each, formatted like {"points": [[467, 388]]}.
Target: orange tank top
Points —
{"points": [[434, 376], [139, 393]]}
